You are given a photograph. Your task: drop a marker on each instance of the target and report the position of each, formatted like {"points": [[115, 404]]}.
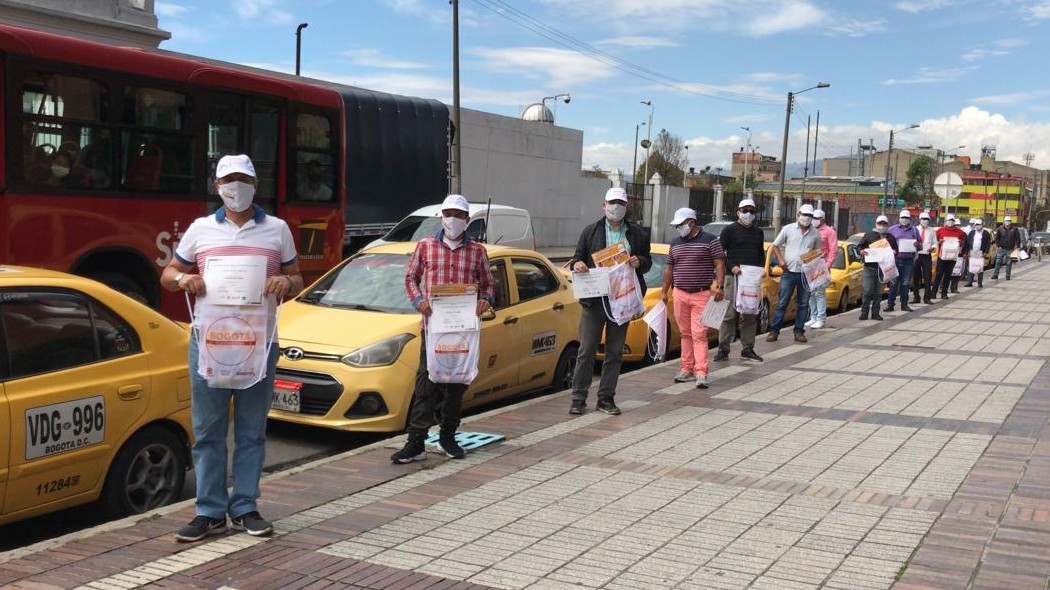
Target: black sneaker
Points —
{"points": [[905, 307], [877, 317], [608, 406], [414, 450], [723, 355], [750, 354], [863, 317], [253, 524], [448, 444], [200, 527], [577, 407], [888, 308]]}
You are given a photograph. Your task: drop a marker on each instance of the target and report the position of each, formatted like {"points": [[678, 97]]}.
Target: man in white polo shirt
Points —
{"points": [[241, 232], [794, 241]]}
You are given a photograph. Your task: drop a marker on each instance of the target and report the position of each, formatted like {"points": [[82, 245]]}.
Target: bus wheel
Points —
{"points": [[121, 283]]}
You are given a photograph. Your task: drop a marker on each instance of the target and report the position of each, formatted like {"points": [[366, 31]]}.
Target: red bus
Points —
{"points": [[109, 153]]}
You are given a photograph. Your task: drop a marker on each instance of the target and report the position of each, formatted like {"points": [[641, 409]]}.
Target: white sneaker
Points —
{"points": [[810, 323], [817, 325], [701, 381]]}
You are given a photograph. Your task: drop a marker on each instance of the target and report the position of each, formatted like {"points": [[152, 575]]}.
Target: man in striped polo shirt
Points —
{"points": [[696, 268]]}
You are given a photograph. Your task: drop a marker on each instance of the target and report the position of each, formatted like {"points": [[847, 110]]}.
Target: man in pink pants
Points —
{"points": [[696, 268]]}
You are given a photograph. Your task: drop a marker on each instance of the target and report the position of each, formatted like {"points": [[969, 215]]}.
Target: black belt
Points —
{"points": [[694, 290]]}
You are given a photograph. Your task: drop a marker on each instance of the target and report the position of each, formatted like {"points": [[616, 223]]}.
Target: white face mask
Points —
{"points": [[684, 230], [881, 228], [59, 171], [1007, 223], [615, 212], [817, 222], [905, 222], [924, 222], [746, 218], [237, 195], [950, 223], [454, 226], [805, 221]]}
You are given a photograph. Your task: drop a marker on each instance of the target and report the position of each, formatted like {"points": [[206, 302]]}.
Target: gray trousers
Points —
{"points": [[748, 323], [872, 295], [592, 321]]}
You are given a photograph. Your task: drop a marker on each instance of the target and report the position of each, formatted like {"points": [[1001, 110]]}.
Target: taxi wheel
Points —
{"points": [[566, 367], [148, 472], [763, 317], [844, 300]]}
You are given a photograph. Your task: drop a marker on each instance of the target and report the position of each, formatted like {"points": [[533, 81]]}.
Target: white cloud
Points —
{"points": [[609, 156], [978, 53], [748, 120], [438, 13], [559, 68], [930, 76], [787, 16], [916, 6], [1009, 99], [373, 58], [1039, 10], [262, 10], [997, 48], [856, 28], [766, 77], [166, 9], [638, 42]]}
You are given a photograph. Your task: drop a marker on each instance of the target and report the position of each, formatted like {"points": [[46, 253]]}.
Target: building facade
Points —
{"points": [[117, 22], [761, 168]]}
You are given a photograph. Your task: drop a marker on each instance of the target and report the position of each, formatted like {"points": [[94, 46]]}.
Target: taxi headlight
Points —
{"points": [[380, 354]]}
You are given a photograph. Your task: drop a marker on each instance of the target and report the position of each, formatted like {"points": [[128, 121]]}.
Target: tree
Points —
{"points": [[666, 157], [921, 174]]}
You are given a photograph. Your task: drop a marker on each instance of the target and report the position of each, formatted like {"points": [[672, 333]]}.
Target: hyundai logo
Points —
{"points": [[293, 354]]}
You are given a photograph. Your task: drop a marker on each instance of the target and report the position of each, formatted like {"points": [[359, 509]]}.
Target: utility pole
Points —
{"points": [[457, 138], [805, 163], [634, 163], [816, 136], [299, 44]]}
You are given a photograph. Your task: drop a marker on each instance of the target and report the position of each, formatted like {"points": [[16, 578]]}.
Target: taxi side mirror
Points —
{"points": [[490, 314], [855, 265], [777, 271]]}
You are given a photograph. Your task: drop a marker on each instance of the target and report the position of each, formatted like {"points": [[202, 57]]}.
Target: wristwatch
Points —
{"points": [[178, 279]]}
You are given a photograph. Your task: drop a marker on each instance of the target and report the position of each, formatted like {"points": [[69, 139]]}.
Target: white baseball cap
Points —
{"points": [[681, 215], [806, 210], [924, 215], [1007, 218], [951, 218], [973, 220], [746, 203], [978, 222], [881, 219], [905, 214], [239, 163], [458, 202], [616, 194], [818, 214]]}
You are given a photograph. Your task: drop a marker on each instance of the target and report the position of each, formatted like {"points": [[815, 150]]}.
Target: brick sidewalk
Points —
{"points": [[868, 458]]}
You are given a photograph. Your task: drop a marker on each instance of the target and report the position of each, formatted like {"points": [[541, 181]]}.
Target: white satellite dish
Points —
{"points": [[948, 185]]}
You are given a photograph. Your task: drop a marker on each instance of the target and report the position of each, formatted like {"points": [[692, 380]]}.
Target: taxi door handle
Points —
{"points": [[510, 320], [559, 306], [130, 392]]}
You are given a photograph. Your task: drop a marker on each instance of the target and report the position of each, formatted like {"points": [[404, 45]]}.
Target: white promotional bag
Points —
{"points": [[887, 264], [624, 302], [815, 274], [949, 249], [976, 265], [656, 319], [960, 266], [748, 296], [232, 348], [452, 357]]}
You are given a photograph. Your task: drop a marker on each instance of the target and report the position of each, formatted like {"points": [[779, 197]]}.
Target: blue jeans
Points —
{"points": [[791, 284], [901, 284], [211, 414], [818, 305], [1001, 255]]}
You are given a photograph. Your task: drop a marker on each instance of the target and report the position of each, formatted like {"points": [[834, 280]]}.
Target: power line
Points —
{"points": [[503, 9]]}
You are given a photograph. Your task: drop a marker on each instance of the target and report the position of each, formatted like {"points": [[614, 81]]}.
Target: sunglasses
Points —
{"points": [[748, 211]]}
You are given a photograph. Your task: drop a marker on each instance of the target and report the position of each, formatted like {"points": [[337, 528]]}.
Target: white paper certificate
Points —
{"points": [[907, 245], [714, 313], [453, 313], [593, 283], [235, 280]]}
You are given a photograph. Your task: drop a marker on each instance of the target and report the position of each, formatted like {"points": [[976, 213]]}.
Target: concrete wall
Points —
{"points": [[119, 22], [535, 166]]}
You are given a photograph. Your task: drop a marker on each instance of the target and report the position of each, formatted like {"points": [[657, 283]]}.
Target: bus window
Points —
{"points": [[314, 168], [150, 107], [161, 160], [225, 125], [60, 116], [263, 143], [67, 97]]}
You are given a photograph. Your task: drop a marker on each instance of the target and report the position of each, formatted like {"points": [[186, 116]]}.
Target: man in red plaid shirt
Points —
{"points": [[449, 257]]}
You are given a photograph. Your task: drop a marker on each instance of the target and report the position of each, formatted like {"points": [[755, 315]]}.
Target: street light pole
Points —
{"points": [[648, 139], [747, 156], [634, 164], [778, 198], [457, 138], [889, 154], [685, 168], [299, 44]]}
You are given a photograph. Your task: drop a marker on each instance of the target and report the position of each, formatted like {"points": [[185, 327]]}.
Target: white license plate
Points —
{"points": [[65, 426], [286, 396]]}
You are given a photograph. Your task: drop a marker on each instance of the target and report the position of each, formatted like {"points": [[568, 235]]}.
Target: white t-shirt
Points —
{"points": [[263, 235]]}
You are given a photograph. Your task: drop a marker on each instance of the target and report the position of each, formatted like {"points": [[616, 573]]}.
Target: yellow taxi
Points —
{"points": [[94, 398], [847, 278], [350, 342]]}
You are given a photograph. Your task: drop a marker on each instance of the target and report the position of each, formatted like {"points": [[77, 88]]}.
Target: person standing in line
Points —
{"points": [[902, 232], [696, 265], [238, 228], [818, 298], [978, 239], [957, 278], [613, 228], [869, 303], [945, 267], [922, 274], [446, 258], [1007, 237], [795, 239], [743, 244]]}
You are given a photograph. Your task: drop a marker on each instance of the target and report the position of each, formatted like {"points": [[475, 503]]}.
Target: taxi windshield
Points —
{"points": [[370, 282]]}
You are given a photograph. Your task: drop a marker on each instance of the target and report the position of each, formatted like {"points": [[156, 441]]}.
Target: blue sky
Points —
{"points": [[968, 71]]}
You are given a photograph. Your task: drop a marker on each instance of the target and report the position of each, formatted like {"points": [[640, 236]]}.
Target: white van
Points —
{"points": [[506, 226]]}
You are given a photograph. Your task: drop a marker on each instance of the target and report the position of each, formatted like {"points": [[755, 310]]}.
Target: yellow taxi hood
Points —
{"points": [[339, 331]]}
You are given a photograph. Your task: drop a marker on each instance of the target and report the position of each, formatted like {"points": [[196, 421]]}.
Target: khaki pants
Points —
{"points": [[748, 323]]}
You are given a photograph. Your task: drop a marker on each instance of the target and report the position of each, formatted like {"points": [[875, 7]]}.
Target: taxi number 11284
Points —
{"points": [[65, 426]]}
